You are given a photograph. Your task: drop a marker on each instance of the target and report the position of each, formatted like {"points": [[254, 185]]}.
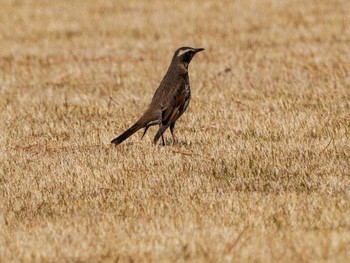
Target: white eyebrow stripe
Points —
{"points": [[181, 52]]}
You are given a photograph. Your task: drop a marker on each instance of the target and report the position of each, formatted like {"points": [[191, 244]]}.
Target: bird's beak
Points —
{"points": [[199, 49]]}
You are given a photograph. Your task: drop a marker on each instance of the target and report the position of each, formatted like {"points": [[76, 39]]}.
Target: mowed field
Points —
{"points": [[261, 169]]}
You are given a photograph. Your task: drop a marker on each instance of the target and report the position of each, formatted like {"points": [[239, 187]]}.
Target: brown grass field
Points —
{"points": [[261, 172]]}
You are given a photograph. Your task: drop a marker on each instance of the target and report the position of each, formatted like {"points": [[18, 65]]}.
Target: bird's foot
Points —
{"points": [[175, 141]]}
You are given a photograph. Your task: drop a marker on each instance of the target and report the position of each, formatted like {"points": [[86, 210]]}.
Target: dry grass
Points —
{"points": [[261, 173]]}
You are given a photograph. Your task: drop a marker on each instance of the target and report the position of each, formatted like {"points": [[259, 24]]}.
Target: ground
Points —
{"points": [[261, 169]]}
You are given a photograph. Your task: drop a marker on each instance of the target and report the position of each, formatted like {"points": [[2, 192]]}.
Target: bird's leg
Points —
{"points": [[161, 128], [174, 139], [144, 132], [172, 129]]}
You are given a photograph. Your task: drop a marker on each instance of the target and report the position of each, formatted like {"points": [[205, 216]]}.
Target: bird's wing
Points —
{"points": [[175, 99], [170, 111]]}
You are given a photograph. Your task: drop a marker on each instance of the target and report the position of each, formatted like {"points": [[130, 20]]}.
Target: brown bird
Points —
{"points": [[170, 100]]}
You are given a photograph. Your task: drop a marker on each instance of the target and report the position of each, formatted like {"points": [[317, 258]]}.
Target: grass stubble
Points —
{"points": [[261, 172]]}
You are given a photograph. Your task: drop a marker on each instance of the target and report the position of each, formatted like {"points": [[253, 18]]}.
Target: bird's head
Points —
{"points": [[185, 54]]}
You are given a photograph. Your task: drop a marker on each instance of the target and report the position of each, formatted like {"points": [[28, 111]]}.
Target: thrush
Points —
{"points": [[169, 101]]}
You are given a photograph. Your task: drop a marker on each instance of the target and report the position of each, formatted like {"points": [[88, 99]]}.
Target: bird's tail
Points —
{"points": [[127, 133]]}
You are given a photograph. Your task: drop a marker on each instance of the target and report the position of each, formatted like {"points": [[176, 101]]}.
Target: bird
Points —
{"points": [[169, 101]]}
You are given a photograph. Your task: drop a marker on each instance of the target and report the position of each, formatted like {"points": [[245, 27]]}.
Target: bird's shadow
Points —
{"points": [[168, 143]]}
